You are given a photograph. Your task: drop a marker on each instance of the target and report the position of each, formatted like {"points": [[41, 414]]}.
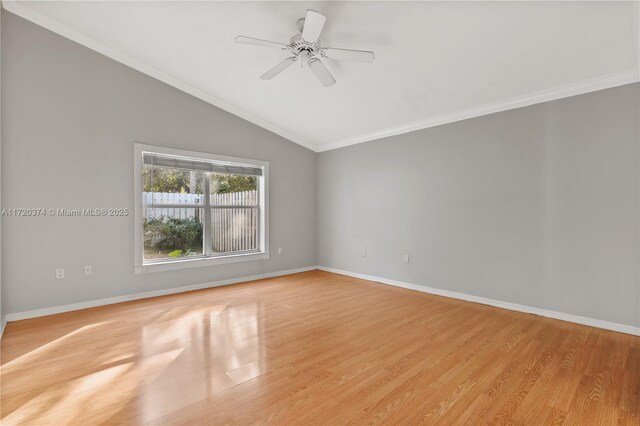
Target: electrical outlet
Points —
{"points": [[280, 251], [405, 258], [88, 270], [59, 274], [364, 253]]}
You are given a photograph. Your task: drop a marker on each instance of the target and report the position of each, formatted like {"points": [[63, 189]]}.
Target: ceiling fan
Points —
{"points": [[306, 47]]}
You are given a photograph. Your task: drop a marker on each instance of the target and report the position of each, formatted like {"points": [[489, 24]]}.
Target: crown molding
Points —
{"points": [[591, 85], [573, 89], [29, 14]]}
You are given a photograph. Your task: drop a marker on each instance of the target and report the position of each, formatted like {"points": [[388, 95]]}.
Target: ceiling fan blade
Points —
{"points": [[260, 42], [321, 72], [348, 54], [313, 24], [278, 68]]}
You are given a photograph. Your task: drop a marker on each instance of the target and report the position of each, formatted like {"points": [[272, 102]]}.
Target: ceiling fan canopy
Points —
{"points": [[306, 48]]}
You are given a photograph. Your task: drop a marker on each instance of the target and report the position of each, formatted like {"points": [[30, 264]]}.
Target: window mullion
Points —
{"points": [[206, 229]]}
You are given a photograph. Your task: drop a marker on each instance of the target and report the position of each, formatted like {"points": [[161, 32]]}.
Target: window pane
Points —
{"points": [[234, 229], [172, 233], [165, 185]]}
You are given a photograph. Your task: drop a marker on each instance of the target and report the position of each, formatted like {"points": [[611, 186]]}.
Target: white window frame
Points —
{"points": [[168, 265]]}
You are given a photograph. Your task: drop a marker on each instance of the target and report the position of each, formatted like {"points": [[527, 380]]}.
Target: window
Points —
{"points": [[196, 209]]}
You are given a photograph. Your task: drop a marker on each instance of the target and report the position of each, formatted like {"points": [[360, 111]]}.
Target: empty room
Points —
{"points": [[320, 212]]}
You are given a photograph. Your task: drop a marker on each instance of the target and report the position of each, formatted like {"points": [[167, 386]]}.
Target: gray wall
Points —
{"points": [[1, 259], [70, 117], [537, 206]]}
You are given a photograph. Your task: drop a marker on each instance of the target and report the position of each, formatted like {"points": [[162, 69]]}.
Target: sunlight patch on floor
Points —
{"points": [[42, 350]]}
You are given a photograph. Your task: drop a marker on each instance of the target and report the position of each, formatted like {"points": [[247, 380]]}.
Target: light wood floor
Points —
{"points": [[315, 348]]}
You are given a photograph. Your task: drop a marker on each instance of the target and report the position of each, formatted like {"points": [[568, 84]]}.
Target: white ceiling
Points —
{"points": [[436, 62]]}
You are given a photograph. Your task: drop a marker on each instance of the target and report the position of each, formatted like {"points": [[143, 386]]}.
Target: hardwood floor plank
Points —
{"points": [[314, 348]]}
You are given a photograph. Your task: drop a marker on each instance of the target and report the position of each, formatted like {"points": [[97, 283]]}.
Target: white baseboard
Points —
{"points": [[16, 316], [622, 328], [3, 324]]}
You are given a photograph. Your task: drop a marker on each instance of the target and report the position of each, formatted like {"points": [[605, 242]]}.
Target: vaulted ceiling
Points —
{"points": [[436, 62]]}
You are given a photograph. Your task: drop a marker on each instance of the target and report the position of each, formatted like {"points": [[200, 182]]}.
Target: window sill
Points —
{"points": [[194, 263]]}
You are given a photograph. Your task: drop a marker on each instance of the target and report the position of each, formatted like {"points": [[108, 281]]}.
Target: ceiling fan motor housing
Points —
{"points": [[298, 46]]}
